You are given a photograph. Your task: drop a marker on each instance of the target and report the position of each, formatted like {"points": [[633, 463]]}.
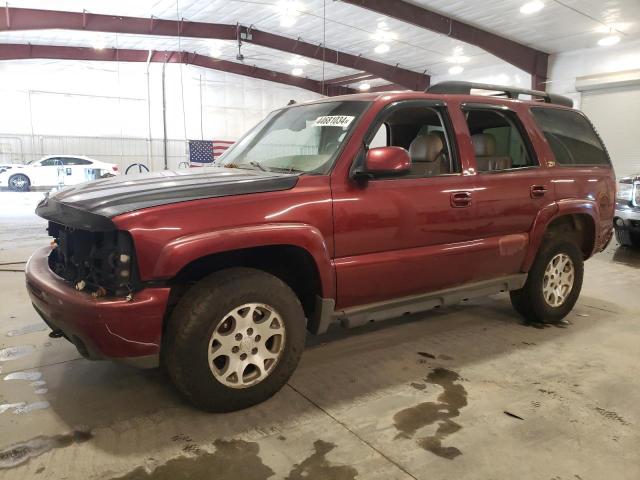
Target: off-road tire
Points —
{"points": [[529, 300], [23, 188], [199, 312], [627, 238]]}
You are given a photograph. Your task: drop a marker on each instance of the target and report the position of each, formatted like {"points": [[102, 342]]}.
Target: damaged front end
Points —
{"points": [[100, 262]]}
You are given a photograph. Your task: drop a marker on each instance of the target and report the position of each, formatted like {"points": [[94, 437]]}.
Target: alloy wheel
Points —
{"points": [[247, 345], [558, 280]]}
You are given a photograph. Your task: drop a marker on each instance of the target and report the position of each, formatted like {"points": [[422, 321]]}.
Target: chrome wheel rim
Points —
{"points": [[558, 280], [246, 345], [18, 182]]}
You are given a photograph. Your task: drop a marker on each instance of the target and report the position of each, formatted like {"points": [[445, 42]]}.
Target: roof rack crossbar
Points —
{"points": [[464, 88]]}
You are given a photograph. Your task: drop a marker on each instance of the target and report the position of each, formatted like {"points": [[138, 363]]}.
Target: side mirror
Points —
{"points": [[387, 161]]}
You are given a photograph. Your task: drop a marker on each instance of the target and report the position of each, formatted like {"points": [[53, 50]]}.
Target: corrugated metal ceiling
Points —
{"points": [[560, 26]]}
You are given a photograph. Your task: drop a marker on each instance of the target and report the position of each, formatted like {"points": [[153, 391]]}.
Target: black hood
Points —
{"points": [[91, 205]]}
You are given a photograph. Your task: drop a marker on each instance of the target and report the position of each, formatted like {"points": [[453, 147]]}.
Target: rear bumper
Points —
{"points": [[101, 328]]}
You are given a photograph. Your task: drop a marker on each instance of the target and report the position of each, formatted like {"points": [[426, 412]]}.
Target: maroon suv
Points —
{"points": [[348, 209]]}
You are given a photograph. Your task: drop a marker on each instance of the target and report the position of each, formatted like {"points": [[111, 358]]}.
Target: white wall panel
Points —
{"points": [[109, 99]]}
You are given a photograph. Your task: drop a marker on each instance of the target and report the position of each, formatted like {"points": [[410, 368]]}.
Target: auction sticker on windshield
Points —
{"points": [[333, 121]]}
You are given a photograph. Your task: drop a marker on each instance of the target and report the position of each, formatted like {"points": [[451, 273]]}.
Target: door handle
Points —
{"points": [[538, 191], [461, 199]]}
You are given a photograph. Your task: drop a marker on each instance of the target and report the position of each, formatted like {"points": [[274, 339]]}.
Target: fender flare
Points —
{"points": [[550, 213], [180, 252]]}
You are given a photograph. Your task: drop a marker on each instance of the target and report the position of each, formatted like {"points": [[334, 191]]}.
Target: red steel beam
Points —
{"points": [[532, 61], [10, 51], [34, 19], [348, 79], [387, 88]]}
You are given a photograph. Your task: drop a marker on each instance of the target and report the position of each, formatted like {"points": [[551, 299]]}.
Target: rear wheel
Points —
{"points": [[19, 183], [234, 339], [554, 283]]}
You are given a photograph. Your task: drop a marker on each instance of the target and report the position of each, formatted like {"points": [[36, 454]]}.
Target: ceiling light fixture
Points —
{"points": [[289, 11], [458, 56], [532, 7], [297, 72], [456, 70], [609, 40], [363, 87], [99, 43], [382, 48], [298, 61]]}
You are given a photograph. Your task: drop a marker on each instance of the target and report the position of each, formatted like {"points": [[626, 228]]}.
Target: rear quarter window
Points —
{"points": [[571, 137]]}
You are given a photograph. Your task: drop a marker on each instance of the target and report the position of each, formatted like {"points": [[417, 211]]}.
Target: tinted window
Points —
{"points": [[75, 161], [51, 162], [497, 140], [571, 137]]}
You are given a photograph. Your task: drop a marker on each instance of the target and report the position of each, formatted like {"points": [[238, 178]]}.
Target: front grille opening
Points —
{"points": [[98, 262]]}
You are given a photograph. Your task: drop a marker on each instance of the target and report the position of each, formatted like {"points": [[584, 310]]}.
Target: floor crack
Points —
{"points": [[346, 427]]}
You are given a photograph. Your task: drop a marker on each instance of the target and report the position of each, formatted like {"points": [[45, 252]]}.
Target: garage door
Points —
{"points": [[616, 115]]}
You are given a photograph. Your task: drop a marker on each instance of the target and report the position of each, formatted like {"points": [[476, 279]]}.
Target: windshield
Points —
{"points": [[303, 138]]}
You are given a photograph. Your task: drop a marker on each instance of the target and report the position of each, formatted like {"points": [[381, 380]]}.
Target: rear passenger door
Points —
{"points": [[511, 185]]}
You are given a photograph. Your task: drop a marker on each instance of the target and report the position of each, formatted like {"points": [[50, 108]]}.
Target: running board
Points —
{"points": [[374, 312]]}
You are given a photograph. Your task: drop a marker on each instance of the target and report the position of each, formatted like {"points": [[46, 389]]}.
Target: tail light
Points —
{"points": [[115, 168]]}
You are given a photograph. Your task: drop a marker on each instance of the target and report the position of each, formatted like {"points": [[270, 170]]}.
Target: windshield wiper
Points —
{"points": [[257, 165]]}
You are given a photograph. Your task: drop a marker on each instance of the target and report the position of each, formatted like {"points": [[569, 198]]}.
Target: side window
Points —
{"points": [[381, 138], [571, 137], [51, 162], [497, 140], [75, 161], [421, 130]]}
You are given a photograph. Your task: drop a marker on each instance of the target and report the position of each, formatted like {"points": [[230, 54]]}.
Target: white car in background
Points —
{"points": [[55, 170]]}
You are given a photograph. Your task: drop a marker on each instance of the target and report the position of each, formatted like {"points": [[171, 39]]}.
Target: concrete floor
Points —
{"points": [[465, 393]]}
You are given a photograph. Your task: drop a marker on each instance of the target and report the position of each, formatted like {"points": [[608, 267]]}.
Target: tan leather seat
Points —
{"points": [[484, 145], [426, 154]]}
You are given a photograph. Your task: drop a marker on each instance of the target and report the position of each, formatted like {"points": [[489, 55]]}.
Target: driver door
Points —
{"points": [[402, 236]]}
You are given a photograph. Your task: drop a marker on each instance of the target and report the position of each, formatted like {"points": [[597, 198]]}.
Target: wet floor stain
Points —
{"points": [[31, 376], [232, 460], [31, 407], [20, 453], [36, 327], [13, 353], [317, 467], [426, 355], [11, 406], [448, 406]]}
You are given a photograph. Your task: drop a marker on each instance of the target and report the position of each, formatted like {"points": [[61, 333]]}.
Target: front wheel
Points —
{"points": [[19, 183], [234, 339], [554, 283]]}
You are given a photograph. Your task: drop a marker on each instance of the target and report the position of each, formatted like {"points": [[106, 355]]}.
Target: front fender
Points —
{"points": [[550, 213], [180, 252]]}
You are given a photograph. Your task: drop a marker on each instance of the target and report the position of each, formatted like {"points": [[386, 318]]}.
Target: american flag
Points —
{"points": [[202, 152], [220, 146]]}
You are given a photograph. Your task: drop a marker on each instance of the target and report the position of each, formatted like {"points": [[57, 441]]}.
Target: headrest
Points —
{"points": [[484, 144], [426, 148]]}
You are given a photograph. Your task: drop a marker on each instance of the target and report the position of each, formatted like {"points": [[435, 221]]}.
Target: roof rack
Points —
{"points": [[464, 88]]}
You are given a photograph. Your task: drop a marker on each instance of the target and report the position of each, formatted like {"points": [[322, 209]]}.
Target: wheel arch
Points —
{"points": [[576, 218], [297, 254]]}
